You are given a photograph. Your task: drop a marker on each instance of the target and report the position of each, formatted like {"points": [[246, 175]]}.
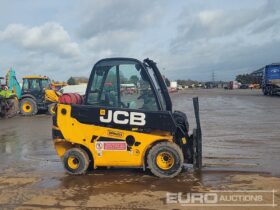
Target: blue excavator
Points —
{"points": [[12, 83]]}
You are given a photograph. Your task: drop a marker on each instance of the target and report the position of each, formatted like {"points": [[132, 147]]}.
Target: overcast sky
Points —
{"points": [[189, 39]]}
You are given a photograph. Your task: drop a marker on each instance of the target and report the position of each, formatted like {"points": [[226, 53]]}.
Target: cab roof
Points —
{"points": [[35, 77]]}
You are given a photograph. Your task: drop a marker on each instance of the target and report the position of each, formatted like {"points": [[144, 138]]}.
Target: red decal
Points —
{"points": [[115, 146]]}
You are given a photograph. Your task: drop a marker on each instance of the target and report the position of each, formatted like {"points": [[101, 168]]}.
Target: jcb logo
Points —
{"points": [[122, 117]]}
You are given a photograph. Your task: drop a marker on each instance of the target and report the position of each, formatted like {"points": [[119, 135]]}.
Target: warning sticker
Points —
{"points": [[119, 146], [99, 146], [111, 146]]}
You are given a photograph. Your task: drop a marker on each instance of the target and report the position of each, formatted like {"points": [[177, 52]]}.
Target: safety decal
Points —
{"points": [[99, 146], [111, 146]]}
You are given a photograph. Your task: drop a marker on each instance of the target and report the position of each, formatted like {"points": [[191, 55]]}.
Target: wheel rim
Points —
{"points": [[165, 160], [73, 162], [27, 107]]}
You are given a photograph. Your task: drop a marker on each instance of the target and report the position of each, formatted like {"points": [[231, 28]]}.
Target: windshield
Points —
{"points": [[46, 83], [158, 89], [273, 72]]}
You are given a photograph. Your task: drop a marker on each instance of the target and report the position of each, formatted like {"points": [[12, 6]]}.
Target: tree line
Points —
{"points": [[248, 79]]}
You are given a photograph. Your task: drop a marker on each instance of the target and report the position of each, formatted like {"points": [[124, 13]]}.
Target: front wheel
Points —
{"points": [[165, 160], [269, 91], [76, 161], [28, 107]]}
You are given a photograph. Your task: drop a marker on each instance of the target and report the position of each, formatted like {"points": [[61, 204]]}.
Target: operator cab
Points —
{"points": [[35, 86], [125, 83]]}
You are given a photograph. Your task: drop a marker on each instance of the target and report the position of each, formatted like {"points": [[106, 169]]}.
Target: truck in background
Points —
{"points": [[271, 79]]}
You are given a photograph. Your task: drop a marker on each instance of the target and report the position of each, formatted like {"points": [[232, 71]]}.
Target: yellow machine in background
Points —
{"points": [[52, 97], [37, 92]]}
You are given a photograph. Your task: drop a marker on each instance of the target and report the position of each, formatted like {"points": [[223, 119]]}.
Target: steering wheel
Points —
{"points": [[140, 97], [123, 105], [145, 95]]}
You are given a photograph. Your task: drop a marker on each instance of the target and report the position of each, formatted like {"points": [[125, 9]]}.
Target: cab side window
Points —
{"points": [[122, 85], [158, 89], [96, 87], [104, 91], [25, 84], [34, 84], [109, 95], [136, 91], [46, 84]]}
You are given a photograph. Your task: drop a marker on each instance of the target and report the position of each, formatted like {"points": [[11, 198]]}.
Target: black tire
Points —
{"points": [[28, 107], [171, 149], [51, 109], [264, 91], [269, 90], [272, 93], [80, 160]]}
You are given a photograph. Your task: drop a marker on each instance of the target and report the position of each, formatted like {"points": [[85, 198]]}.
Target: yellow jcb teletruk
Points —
{"points": [[133, 126]]}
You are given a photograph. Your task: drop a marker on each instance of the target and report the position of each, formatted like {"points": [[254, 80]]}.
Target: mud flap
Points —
{"points": [[197, 138]]}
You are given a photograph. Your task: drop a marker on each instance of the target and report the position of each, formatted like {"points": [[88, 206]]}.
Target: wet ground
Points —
{"points": [[241, 150]]}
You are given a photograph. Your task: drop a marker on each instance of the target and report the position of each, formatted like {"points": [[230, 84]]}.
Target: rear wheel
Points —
{"points": [[165, 160], [28, 107], [76, 161], [269, 90], [264, 91]]}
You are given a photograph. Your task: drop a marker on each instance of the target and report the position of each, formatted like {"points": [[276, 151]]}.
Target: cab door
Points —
{"points": [[33, 87], [121, 84]]}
